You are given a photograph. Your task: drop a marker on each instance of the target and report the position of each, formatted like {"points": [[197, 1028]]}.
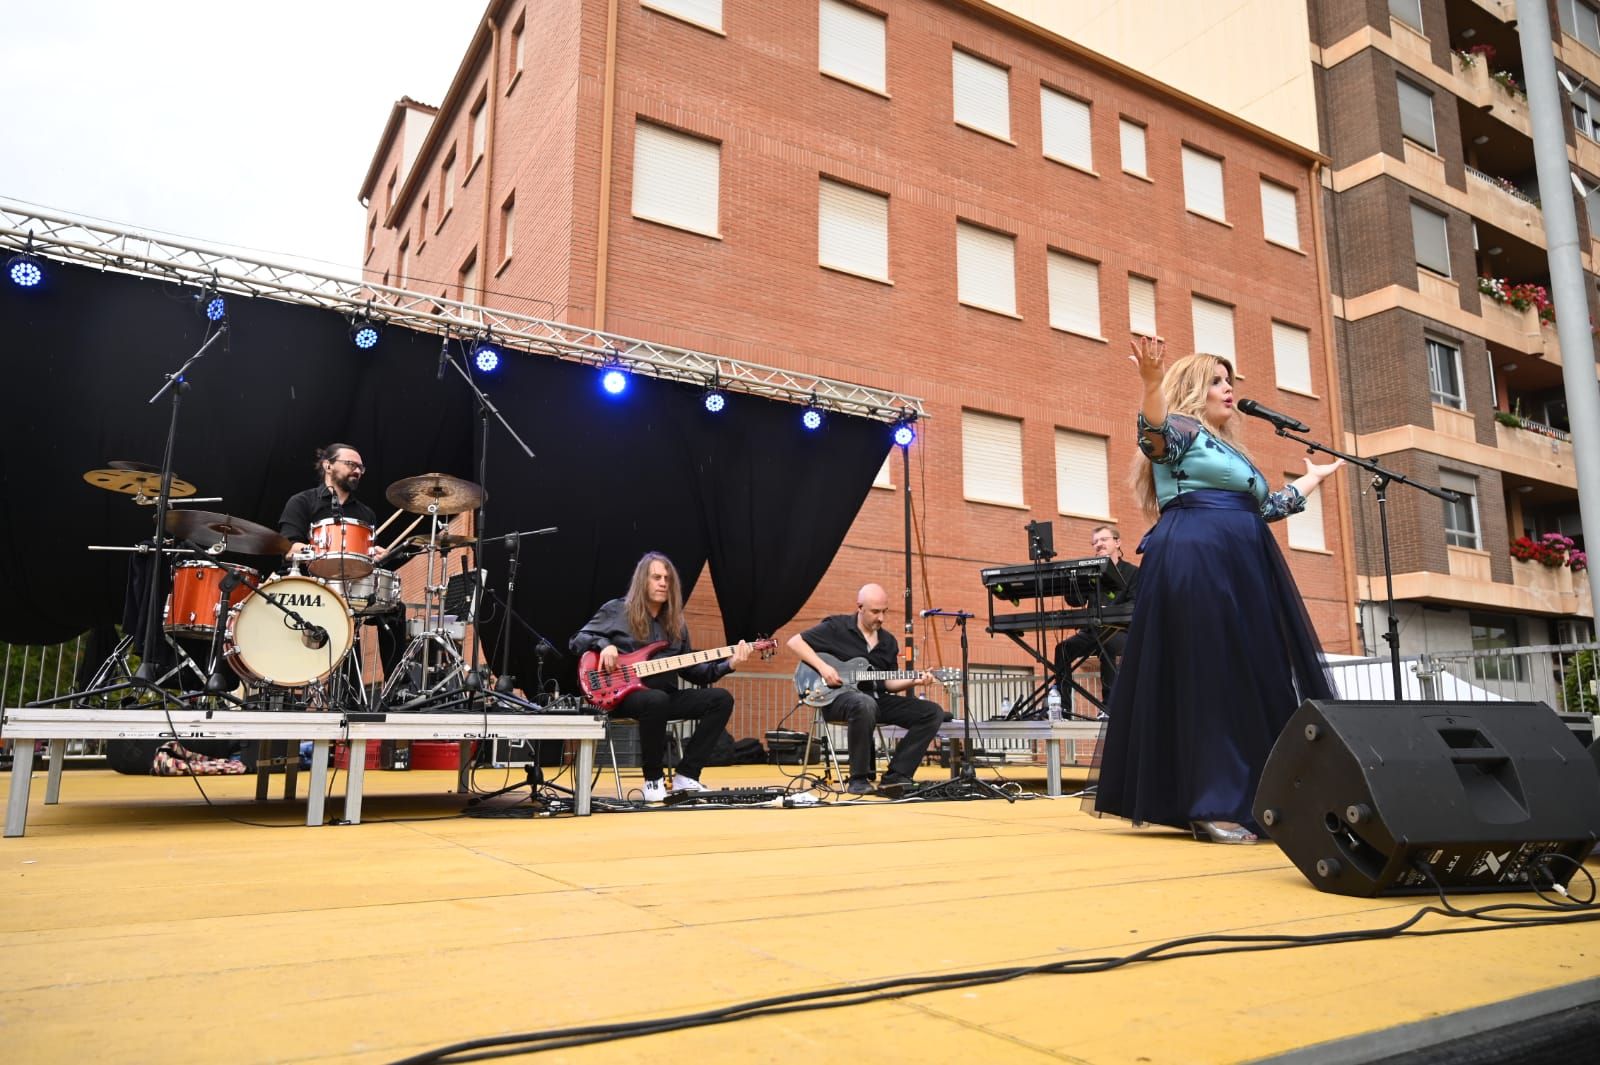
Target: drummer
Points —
{"points": [[339, 469]]}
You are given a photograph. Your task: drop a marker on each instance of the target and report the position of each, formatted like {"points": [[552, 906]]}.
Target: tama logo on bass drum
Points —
{"points": [[296, 598]]}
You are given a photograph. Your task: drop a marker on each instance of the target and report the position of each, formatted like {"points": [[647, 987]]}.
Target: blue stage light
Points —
{"points": [[487, 358], [716, 402], [904, 434], [811, 419], [216, 308], [614, 381], [24, 272], [364, 335]]}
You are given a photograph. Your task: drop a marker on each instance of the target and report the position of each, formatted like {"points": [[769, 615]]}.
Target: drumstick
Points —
{"points": [[399, 539], [388, 522]]}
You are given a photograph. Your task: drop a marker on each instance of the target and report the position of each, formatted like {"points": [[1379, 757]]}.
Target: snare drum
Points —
{"points": [[195, 607], [376, 593], [341, 549], [263, 645]]}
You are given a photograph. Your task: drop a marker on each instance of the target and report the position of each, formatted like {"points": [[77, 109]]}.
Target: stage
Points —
{"points": [[141, 925]]}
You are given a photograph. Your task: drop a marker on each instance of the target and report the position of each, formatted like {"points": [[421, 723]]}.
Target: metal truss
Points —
{"points": [[79, 240]]}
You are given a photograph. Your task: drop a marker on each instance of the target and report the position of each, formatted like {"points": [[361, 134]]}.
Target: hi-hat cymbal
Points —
{"points": [[207, 527], [136, 482], [434, 493], [446, 541]]}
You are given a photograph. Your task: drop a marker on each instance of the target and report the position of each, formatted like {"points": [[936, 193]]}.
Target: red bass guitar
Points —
{"points": [[606, 688]]}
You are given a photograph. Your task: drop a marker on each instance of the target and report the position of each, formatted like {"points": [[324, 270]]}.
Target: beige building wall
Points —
{"points": [[1248, 57]]}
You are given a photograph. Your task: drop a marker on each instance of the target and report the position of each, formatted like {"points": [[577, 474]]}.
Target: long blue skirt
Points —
{"points": [[1220, 653]]}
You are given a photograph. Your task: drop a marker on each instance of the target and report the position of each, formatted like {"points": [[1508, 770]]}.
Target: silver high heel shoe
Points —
{"points": [[1211, 832]]}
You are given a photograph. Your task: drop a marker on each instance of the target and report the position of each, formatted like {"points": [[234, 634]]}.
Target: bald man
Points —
{"points": [[861, 635]]}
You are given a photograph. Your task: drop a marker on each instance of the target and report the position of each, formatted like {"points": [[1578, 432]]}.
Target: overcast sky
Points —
{"points": [[248, 125]]}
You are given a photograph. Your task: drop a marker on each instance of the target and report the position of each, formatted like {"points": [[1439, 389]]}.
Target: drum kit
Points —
{"points": [[286, 638]]}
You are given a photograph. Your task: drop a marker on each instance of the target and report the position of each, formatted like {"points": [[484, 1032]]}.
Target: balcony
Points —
{"points": [[1504, 10], [1467, 585], [1548, 451], [1552, 590], [1473, 84], [1501, 204]]}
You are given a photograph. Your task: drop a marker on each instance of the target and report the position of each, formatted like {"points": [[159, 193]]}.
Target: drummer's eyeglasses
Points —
{"points": [[352, 465]]}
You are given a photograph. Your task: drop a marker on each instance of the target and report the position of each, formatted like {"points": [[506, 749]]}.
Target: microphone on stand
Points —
{"points": [[1280, 421], [314, 637]]}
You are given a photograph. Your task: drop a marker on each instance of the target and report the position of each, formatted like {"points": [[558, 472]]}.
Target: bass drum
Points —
{"points": [[264, 646]]}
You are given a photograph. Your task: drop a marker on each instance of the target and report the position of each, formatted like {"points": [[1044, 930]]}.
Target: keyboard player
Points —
{"points": [[1105, 641]]}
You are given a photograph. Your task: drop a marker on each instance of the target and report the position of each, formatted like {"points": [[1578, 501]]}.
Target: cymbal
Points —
{"points": [[446, 542], [133, 466], [136, 482], [434, 493], [207, 527]]}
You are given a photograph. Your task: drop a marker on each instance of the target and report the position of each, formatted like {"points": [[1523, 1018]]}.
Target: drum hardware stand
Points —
{"points": [[430, 635], [963, 782], [474, 681], [504, 681]]}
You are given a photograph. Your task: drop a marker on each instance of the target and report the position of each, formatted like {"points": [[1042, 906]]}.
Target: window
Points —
{"points": [[468, 278], [1280, 218], [1141, 305], [1581, 19], [1416, 113], [850, 45], [1444, 374], [404, 270], [1407, 11], [422, 224], [1430, 239], [447, 185], [372, 234], [508, 226], [1074, 294], [1586, 113], [675, 179], [480, 126], [1591, 206], [1213, 328], [1491, 632], [982, 95], [707, 13], [1291, 357], [1461, 516], [394, 176], [1305, 528], [991, 458], [1202, 184], [853, 230], [986, 274], [518, 41], [1065, 122], [885, 478], [1133, 148], [1082, 475]]}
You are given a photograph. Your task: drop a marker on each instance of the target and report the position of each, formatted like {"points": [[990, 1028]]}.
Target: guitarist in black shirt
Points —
{"points": [[861, 635]]}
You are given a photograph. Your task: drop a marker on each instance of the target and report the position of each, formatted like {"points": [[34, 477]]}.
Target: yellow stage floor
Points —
{"points": [[140, 926]]}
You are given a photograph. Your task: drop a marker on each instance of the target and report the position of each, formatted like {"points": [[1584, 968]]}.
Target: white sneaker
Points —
{"points": [[655, 790], [683, 783]]}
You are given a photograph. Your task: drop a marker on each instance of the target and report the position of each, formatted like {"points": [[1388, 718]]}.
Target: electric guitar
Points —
{"points": [[814, 692], [606, 688]]}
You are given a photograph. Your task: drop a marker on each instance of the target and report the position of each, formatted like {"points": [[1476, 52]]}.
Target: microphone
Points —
{"points": [[1281, 421], [933, 612], [444, 353], [314, 637]]}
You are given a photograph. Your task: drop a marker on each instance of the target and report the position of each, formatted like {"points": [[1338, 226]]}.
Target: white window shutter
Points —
{"points": [[1213, 329], [1280, 217], [1141, 305], [1305, 528], [1133, 160], [1291, 354], [982, 94], [676, 178], [1202, 184], [850, 44], [705, 12], [991, 458], [1065, 128], [1430, 239], [1074, 294], [1416, 113], [986, 273], [853, 230], [1082, 475]]}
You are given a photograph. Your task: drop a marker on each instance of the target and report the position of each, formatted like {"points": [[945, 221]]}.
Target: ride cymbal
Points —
{"points": [[207, 527], [434, 493], [136, 482]]}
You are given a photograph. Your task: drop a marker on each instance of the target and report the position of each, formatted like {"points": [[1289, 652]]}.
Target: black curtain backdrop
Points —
{"points": [[749, 492]]}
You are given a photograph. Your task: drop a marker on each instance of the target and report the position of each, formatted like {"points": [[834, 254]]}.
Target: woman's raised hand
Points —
{"points": [[1149, 354]]}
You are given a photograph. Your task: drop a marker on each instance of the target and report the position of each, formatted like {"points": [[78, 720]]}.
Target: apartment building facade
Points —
{"points": [[1452, 370], [933, 196]]}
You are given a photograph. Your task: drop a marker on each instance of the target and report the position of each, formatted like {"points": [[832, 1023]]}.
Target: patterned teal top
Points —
{"points": [[1195, 458]]}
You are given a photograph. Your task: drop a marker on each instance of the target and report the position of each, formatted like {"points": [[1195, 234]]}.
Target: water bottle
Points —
{"points": [[1052, 703]]}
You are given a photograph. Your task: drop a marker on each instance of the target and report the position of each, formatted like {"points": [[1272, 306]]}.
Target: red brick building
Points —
{"points": [[926, 195]]}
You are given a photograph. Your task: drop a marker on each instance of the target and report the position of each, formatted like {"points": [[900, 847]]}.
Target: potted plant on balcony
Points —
{"points": [[1546, 562], [1519, 296]]}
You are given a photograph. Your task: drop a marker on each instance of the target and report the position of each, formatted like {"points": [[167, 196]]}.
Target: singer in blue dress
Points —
{"points": [[1220, 651]]}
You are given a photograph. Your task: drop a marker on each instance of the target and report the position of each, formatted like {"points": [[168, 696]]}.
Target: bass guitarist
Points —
{"points": [[652, 611], [861, 635]]}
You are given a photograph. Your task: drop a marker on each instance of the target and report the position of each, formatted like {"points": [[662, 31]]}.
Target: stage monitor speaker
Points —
{"points": [[1360, 794]]}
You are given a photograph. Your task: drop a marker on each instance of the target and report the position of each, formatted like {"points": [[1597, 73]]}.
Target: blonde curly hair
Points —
{"points": [[1184, 387]]}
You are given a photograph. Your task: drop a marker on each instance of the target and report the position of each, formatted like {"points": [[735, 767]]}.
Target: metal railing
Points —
{"points": [[29, 673], [1564, 676], [1503, 185]]}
